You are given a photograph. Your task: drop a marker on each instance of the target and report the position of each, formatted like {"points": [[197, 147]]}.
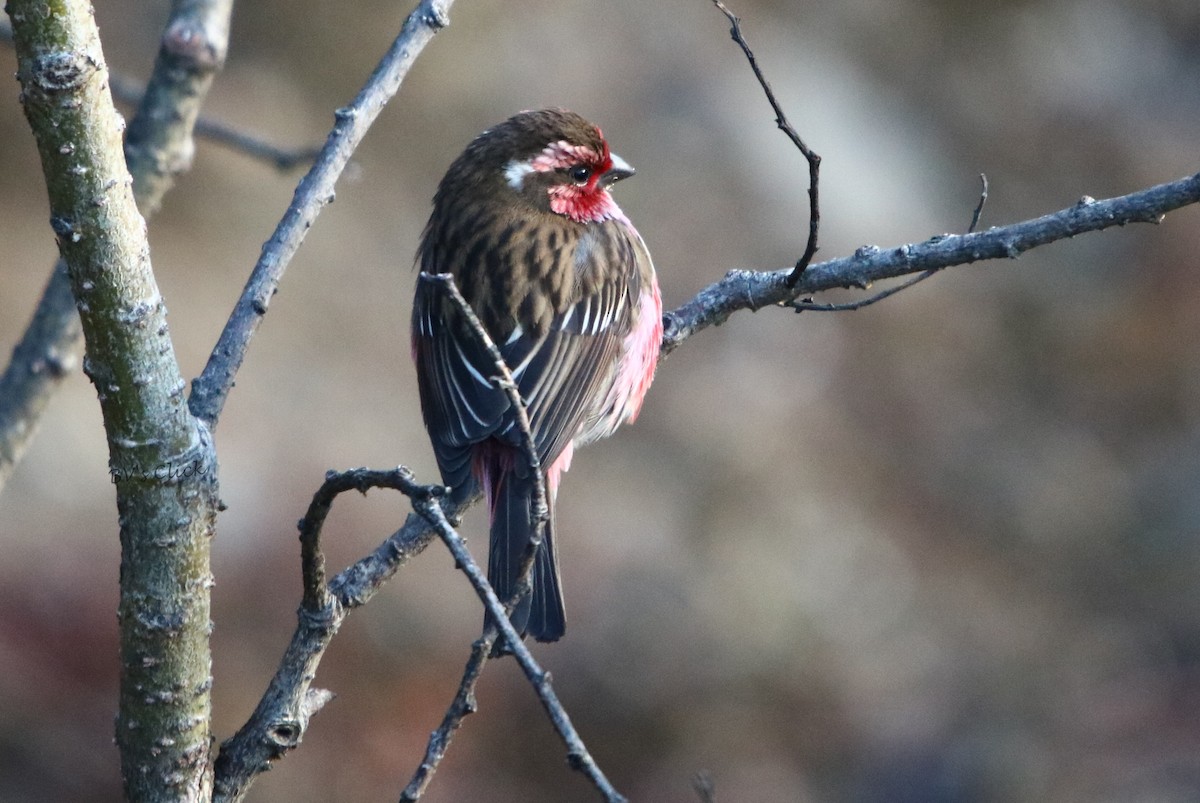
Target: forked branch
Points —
{"points": [[753, 290], [806, 304], [578, 757], [281, 717]]}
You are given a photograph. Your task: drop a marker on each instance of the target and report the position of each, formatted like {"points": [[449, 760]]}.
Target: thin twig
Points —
{"points": [[578, 756], [464, 699], [130, 93], [814, 161], [807, 304], [315, 191], [983, 196], [283, 159], [464, 703], [504, 381], [748, 289]]}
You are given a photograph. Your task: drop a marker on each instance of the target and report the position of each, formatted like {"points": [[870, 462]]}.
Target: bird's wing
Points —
{"points": [[460, 403], [564, 374], [563, 368]]}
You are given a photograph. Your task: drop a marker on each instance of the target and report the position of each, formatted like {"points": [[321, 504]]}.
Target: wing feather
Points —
{"points": [[563, 368]]}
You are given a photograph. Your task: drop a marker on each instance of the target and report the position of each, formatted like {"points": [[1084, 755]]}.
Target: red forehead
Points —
{"points": [[562, 154]]}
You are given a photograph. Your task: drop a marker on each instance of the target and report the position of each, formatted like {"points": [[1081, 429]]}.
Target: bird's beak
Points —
{"points": [[620, 169]]}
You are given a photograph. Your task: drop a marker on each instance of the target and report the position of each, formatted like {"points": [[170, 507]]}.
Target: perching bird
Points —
{"points": [[564, 286]]}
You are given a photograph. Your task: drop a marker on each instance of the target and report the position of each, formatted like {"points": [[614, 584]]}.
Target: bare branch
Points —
{"points": [[282, 715], [355, 585], [312, 560], [282, 159], [315, 191], [753, 290], [814, 161], [129, 92], [807, 304], [464, 699], [463, 704], [49, 346], [193, 50], [47, 353], [578, 756]]}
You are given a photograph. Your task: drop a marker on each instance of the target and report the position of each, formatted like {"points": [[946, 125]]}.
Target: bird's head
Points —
{"points": [[552, 160]]}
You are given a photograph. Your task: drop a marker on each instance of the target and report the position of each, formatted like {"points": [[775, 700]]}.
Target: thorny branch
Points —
{"points": [[814, 161]]}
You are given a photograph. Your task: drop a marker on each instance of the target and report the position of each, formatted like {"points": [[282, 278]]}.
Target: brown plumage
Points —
{"points": [[564, 285]]}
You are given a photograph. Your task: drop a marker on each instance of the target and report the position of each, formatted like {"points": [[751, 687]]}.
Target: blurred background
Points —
{"points": [[946, 548]]}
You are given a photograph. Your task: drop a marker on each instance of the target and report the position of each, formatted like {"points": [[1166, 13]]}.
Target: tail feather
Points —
{"points": [[541, 614]]}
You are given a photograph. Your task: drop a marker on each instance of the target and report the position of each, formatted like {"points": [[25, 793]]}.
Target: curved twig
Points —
{"points": [[808, 305], [282, 715], [814, 161]]}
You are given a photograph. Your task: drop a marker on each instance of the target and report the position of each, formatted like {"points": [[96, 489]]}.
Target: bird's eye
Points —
{"points": [[580, 173]]}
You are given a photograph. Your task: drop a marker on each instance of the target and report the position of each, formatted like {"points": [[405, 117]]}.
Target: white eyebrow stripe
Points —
{"points": [[515, 173]]}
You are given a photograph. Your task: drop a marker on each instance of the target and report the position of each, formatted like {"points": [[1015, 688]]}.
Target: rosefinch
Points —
{"points": [[564, 285]]}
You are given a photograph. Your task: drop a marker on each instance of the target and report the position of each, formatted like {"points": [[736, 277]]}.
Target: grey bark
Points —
{"points": [[161, 459]]}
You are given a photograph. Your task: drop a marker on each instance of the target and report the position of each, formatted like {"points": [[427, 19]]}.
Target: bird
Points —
{"points": [[525, 223]]}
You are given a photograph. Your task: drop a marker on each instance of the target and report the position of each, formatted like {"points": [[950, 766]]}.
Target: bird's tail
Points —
{"points": [[511, 492]]}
